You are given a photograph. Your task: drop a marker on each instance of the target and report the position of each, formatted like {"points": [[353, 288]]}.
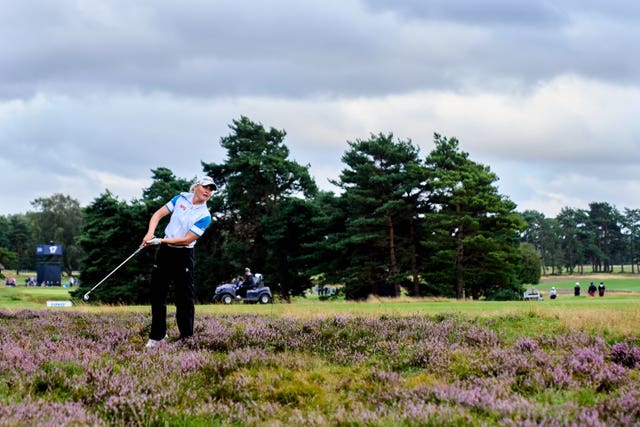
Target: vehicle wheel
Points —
{"points": [[265, 299], [227, 299]]}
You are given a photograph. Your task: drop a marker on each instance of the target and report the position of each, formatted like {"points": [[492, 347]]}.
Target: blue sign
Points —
{"points": [[48, 250]]}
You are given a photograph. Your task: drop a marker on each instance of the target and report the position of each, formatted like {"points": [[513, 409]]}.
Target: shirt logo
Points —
{"points": [[183, 207]]}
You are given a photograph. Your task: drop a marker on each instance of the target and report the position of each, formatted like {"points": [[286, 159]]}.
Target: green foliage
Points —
{"points": [[473, 230], [257, 172], [573, 237], [530, 267], [20, 235], [504, 294], [606, 224], [286, 230], [8, 259], [382, 186], [5, 228], [328, 222]]}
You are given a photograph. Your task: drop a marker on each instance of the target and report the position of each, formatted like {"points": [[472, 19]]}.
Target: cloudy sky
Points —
{"points": [[96, 94]]}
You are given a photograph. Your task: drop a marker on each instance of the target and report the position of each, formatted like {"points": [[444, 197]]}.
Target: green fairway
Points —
{"points": [[31, 297], [615, 313]]}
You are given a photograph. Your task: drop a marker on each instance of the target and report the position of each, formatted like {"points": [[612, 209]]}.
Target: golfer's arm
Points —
{"points": [[181, 241], [154, 221]]}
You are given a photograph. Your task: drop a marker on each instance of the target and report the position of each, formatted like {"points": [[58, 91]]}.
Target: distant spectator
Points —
{"points": [[601, 289], [592, 289], [576, 289], [552, 293], [248, 282]]}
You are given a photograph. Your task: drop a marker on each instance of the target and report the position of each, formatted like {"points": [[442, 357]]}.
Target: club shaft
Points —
{"points": [[115, 269]]}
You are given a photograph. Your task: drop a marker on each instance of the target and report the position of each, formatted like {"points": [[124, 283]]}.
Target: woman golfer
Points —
{"points": [[175, 258]]}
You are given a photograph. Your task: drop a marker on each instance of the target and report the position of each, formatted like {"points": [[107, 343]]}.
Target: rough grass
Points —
{"points": [[90, 368], [383, 362]]}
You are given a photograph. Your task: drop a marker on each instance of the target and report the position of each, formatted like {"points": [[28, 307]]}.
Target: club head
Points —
{"points": [[86, 296]]}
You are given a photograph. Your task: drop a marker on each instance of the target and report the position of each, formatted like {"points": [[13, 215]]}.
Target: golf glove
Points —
{"points": [[154, 241]]}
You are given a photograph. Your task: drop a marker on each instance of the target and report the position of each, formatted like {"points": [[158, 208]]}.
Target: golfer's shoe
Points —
{"points": [[152, 343]]}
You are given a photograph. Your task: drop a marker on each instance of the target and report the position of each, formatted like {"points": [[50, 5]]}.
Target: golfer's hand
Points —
{"points": [[154, 241]]}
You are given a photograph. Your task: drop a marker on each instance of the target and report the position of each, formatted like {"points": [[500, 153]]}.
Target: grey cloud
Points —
{"points": [[545, 14], [299, 50], [98, 93], [487, 12]]}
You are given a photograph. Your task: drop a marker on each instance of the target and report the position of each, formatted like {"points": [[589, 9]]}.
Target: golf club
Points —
{"points": [[86, 296]]}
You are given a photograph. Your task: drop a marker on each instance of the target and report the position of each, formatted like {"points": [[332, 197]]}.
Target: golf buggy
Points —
{"points": [[259, 293], [532, 295]]}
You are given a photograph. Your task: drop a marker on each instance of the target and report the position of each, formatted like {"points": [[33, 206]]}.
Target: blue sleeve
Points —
{"points": [[171, 204], [201, 225]]}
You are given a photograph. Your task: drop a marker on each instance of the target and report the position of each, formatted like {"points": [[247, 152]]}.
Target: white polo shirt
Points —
{"points": [[185, 217]]}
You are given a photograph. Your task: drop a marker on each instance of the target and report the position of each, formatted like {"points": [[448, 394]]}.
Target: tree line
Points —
{"points": [[601, 237], [429, 226]]}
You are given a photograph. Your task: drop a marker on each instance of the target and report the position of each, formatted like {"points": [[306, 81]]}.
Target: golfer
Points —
{"points": [[174, 261]]}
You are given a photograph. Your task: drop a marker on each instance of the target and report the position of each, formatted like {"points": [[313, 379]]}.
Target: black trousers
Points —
{"points": [[173, 266]]}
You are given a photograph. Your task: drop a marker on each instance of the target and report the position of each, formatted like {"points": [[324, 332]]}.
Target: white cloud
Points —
{"points": [[94, 95]]}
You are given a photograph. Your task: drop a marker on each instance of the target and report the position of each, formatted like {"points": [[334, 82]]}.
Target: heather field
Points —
{"points": [[572, 361]]}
